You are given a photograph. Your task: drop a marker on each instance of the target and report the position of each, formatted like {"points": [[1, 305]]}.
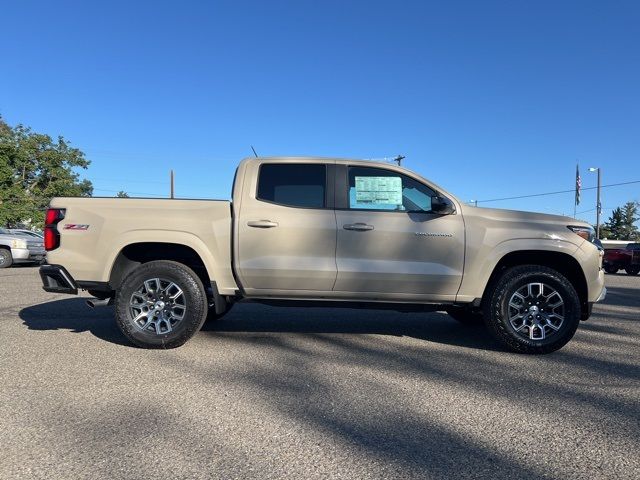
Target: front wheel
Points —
{"points": [[532, 309], [6, 260], [161, 304], [633, 270], [610, 268]]}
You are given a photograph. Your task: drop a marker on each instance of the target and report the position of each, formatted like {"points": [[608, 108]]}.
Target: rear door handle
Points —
{"points": [[359, 227], [262, 224]]}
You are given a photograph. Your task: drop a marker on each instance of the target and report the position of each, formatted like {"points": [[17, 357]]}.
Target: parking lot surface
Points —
{"points": [[312, 393]]}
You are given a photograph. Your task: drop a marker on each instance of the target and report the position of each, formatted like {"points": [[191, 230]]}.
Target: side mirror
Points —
{"points": [[442, 206]]}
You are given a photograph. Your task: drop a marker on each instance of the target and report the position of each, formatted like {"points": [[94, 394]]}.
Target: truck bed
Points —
{"points": [[95, 230]]}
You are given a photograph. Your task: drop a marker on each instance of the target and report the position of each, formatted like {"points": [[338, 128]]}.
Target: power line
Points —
{"points": [[555, 193]]}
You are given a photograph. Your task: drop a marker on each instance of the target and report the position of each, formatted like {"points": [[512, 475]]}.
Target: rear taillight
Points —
{"points": [[51, 234]]}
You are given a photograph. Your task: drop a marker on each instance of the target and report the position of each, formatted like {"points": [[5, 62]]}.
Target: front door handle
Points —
{"points": [[262, 224], [359, 227]]}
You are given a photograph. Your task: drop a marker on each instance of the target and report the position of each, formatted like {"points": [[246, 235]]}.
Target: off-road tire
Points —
{"points": [[465, 315], [611, 269], [6, 260], [195, 300], [633, 270], [496, 309]]}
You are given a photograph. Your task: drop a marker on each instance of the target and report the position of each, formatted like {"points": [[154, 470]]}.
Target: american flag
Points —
{"points": [[578, 185]]}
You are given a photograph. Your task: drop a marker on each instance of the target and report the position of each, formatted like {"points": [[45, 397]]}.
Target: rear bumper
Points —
{"points": [[56, 279]]}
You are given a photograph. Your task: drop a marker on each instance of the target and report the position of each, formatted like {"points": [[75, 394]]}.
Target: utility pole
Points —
{"points": [[399, 159], [172, 190], [598, 206], [598, 203]]}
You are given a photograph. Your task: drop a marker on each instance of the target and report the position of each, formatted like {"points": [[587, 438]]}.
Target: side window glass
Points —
{"points": [[380, 189], [293, 184]]}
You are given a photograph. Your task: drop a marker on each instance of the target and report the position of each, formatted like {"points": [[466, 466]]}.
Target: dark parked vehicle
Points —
{"points": [[619, 258]]}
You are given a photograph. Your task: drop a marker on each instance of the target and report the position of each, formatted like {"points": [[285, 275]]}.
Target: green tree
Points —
{"points": [[605, 233], [122, 194], [614, 226], [629, 218], [621, 224], [33, 169]]}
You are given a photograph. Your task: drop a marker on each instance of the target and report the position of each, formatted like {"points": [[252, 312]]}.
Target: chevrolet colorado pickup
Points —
{"points": [[330, 232]]}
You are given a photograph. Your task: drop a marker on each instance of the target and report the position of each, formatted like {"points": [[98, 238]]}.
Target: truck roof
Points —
{"points": [[315, 159]]}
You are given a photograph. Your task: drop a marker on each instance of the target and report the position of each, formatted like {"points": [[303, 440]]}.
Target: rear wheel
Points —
{"points": [[6, 260], [161, 304], [611, 268], [465, 315], [633, 269], [533, 309]]}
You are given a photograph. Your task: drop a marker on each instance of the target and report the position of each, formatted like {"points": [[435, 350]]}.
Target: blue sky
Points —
{"points": [[489, 99]]}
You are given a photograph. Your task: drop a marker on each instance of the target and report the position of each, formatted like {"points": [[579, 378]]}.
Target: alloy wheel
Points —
{"points": [[536, 311], [157, 306]]}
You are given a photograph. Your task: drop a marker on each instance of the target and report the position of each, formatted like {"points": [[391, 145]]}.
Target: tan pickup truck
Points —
{"points": [[330, 232]]}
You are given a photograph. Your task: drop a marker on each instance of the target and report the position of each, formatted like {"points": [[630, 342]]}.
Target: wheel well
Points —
{"points": [[136, 254], [561, 262]]}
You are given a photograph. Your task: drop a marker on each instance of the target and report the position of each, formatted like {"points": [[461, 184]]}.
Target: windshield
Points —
{"points": [[27, 232]]}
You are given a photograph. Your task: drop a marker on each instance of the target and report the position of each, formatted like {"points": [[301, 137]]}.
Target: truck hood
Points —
{"points": [[522, 216], [514, 224]]}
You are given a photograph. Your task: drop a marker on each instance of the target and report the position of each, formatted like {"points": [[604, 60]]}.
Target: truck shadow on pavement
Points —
{"points": [[246, 318], [74, 315], [432, 327]]}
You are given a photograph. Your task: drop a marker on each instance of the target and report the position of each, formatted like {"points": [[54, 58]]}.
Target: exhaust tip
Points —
{"points": [[98, 302]]}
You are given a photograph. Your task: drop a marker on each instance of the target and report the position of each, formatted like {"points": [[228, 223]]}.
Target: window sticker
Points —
{"points": [[378, 191]]}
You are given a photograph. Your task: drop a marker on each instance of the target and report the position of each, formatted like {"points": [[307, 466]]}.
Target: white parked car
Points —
{"points": [[20, 248]]}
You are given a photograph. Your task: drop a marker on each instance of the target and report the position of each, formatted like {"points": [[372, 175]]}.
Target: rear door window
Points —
{"points": [[292, 184]]}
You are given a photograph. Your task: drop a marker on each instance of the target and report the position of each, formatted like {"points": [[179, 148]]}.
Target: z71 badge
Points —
{"points": [[75, 226]]}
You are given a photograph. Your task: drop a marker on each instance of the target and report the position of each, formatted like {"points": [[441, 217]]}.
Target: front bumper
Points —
{"points": [[56, 279], [23, 255]]}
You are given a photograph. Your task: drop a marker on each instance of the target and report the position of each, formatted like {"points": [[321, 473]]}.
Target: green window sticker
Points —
{"points": [[378, 191]]}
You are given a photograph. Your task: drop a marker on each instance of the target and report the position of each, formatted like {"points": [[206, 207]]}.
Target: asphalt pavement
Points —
{"points": [[275, 393]]}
